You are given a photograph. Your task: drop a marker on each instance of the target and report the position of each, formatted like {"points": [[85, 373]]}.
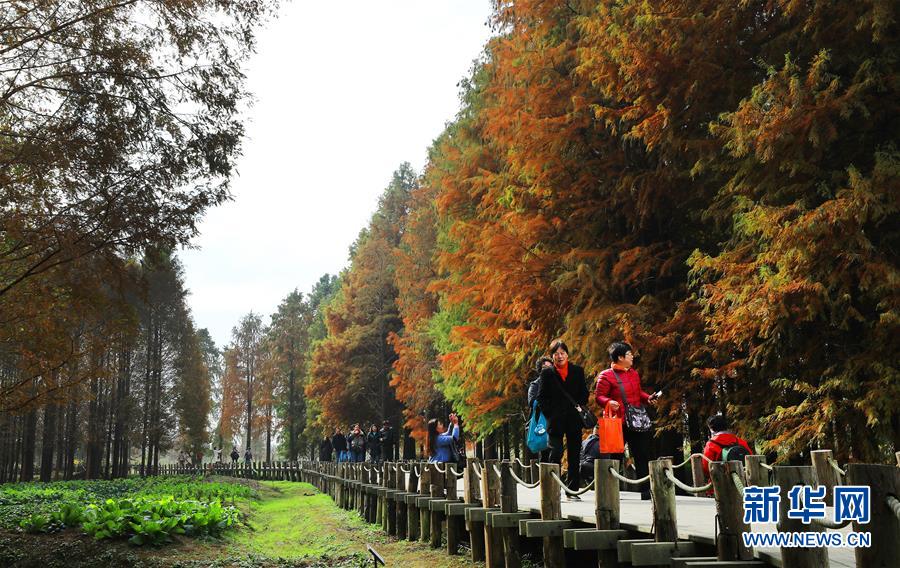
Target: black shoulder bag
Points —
{"points": [[588, 420], [636, 417]]}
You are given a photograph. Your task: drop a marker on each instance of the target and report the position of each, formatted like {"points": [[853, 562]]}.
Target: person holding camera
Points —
{"points": [[442, 442], [563, 394]]}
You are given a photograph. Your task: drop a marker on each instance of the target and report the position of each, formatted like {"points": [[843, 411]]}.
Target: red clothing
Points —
{"points": [[714, 446], [608, 388], [563, 371]]}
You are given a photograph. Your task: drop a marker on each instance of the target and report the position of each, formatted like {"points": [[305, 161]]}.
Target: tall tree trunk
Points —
{"points": [[47, 443]]}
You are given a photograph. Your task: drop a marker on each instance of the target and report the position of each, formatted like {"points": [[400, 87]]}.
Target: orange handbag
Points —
{"points": [[609, 430]]}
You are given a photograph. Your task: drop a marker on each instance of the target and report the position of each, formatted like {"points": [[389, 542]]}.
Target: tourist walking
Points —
{"points": [[234, 455], [620, 385], [563, 393], [248, 456], [442, 443]]}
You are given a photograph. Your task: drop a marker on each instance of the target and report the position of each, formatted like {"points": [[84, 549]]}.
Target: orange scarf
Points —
{"points": [[563, 371]]}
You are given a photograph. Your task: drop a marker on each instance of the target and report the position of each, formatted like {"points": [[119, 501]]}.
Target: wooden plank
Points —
{"points": [[593, 539], [439, 504], [681, 561], [501, 520], [623, 547], [569, 536], [725, 563], [656, 553], [455, 509], [477, 514], [538, 528]]}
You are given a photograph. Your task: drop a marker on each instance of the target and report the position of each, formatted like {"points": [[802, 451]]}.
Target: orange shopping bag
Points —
{"points": [[609, 430]]}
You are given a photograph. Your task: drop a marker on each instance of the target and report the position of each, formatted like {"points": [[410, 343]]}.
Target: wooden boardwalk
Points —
{"points": [[495, 505]]}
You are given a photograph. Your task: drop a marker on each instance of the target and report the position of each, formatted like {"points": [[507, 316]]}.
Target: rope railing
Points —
{"points": [[624, 479], [418, 471], [894, 505], [687, 461], [766, 466], [477, 469], [836, 467], [521, 463], [522, 482], [826, 524], [404, 470], [437, 466], [689, 488], [737, 482], [568, 491]]}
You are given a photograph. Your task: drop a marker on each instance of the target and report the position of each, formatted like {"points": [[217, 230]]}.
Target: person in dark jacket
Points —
{"points": [[373, 442], [590, 451], [356, 440], [562, 415], [534, 389], [325, 449], [622, 370], [234, 455], [388, 441], [339, 443]]}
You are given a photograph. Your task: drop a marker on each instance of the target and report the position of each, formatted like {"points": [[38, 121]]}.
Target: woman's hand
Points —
{"points": [[454, 419], [613, 405]]}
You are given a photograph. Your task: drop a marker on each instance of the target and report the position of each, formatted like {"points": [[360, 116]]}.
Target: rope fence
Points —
{"points": [[568, 491], [836, 467], [689, 488], [521, 482], [687, 461], [624, 479], [894, 505], [477, 469], [737, 482], [437, 466]]}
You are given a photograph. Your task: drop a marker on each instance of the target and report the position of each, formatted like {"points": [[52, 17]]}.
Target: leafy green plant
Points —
{"points": [[35, 523]]}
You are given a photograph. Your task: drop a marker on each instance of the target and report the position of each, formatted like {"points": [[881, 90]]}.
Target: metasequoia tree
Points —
{"points": [[351, 367]]}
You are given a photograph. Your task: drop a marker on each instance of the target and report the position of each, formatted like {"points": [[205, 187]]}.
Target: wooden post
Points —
{"points": [[455, 526], [606, 506], [551, 510], [412, 514], [786, 477], [662, 492], [471, 494], [436, 485], [400, 486], [824, 473], [884, 525], [490, 497], [730, 508], [424, 513], [698, 476], [757, 474], [379, 503], [391, 484], [509, 503]]}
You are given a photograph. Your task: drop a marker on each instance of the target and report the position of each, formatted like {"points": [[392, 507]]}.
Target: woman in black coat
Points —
{"points": [[562, 415]]}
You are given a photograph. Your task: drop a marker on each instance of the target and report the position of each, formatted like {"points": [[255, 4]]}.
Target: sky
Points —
{"points": [[344, 93]]}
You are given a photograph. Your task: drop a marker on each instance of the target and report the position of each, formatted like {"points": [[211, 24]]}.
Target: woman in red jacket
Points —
{"points": [[610, 384]]}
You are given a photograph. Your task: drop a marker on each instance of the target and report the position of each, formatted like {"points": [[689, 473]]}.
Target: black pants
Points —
{"points": [[639, 444], [573, 448]]}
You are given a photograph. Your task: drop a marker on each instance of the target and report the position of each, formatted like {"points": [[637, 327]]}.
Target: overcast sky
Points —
{"points": [[345, 92]]}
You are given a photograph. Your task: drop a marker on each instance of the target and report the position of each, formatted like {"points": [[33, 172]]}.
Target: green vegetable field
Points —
{"points": [[191, 522]]}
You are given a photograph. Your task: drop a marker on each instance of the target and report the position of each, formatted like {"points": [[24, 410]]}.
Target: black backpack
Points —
{"points": [[732, 452]]}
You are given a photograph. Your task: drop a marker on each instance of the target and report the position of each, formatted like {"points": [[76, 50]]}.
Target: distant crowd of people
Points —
{"points": [[379, 444]]}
